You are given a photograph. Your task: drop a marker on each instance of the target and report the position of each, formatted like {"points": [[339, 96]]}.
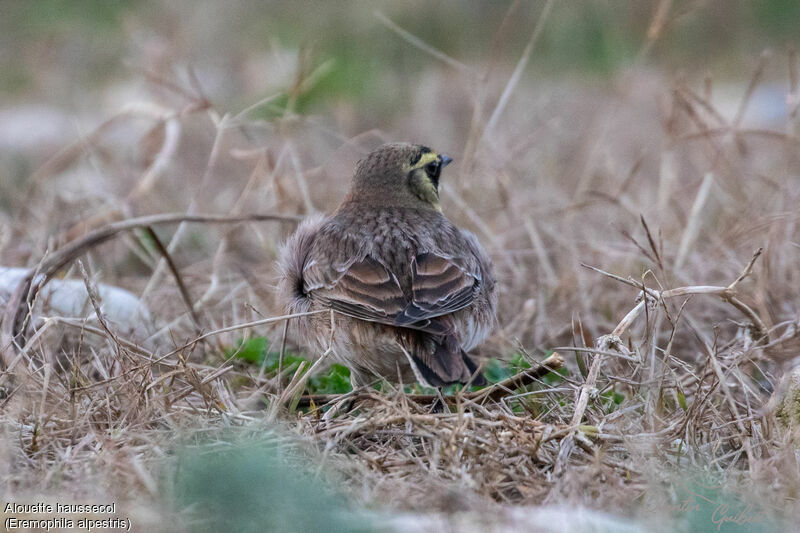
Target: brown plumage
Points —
{"points": [[411, 293]]}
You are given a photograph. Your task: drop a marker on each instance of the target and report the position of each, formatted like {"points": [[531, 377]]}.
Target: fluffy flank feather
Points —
{"points": [[292, 260]]}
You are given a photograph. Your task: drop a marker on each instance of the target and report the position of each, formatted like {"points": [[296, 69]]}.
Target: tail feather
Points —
{"points": [[441, 361], [479, 379]]}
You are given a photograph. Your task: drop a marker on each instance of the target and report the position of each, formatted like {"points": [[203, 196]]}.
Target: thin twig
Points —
{"points": [[187, 300], [493, 392], [726, 294], [21, 299], [419, 43], [95, 301], [518, 70]]}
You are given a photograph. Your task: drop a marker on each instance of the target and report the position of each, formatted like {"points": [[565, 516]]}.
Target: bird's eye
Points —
{"points": [[433, 169]]}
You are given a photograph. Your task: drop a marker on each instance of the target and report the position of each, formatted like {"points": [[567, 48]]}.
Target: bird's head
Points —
{"points": [[399, 174]]}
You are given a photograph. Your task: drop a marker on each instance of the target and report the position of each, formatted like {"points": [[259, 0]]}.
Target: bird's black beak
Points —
{"points": [[446, 160]]}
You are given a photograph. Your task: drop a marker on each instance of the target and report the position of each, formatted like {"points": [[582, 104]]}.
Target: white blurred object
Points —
{"points": [[68, 298], [767, 106], [30, 128], [544, 519]]}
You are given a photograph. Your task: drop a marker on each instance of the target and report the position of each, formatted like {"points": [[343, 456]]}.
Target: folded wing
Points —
{"points": [[369, 291]]}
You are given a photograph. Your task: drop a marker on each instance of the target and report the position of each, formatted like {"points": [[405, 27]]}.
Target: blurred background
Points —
{"points": [[67, 54], [68, 65]]}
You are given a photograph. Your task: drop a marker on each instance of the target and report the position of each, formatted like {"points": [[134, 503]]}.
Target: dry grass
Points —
{"points": [[671, 359]]}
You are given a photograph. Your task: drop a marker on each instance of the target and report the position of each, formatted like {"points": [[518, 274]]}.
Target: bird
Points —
{"points": [[408, 292]]}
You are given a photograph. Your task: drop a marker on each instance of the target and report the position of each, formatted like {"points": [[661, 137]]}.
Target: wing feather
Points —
{"points": [[368, 290], [365, 290], [439, 286]]}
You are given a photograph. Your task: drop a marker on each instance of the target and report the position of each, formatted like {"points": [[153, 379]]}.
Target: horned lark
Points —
{"points": [[410, 293]]}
